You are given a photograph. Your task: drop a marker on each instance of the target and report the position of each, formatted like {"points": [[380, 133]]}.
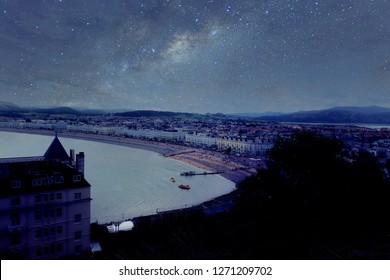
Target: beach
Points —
{"points": [[230, 167]]}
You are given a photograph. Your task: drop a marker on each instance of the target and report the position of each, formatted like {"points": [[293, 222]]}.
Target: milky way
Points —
{"points": [[195, 56]]}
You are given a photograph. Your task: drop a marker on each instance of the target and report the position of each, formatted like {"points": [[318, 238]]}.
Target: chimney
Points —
{"points": [[80, 158], [72, 155]]}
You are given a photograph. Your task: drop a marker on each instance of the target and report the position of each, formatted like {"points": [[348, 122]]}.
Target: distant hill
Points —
{"points": [[371, 114], [151, 113], [256, 115], [8, 107], [56, 110]]}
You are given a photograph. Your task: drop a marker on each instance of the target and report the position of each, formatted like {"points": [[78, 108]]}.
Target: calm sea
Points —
{"points": [[126, 182]]}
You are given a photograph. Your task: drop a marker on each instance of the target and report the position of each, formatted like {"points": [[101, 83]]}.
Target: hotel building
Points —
{"points": [[44, 205]]}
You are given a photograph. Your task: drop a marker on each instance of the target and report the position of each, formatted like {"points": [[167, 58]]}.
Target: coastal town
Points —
{"points": [[215, 142], [233, 147]]}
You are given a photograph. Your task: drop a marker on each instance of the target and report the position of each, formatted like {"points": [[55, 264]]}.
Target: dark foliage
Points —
{"points": [[313, 184]]}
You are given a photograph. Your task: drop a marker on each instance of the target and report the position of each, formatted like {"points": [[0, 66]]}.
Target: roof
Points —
{"points": [[56, 151], [39, 176]]}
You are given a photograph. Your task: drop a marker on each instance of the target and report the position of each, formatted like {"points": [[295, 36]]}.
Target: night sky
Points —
{"points": [[195, 56]]}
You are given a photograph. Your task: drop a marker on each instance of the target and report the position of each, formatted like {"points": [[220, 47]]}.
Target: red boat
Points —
{"points": [[184, 187]]}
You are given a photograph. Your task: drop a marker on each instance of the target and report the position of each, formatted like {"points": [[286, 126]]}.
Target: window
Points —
{"points": [[38, 215], [59, 212], [38, 199], [77, 218], [77, 249], [46, 250], [59, 229], [59, 179], [59, 196], [15, 201], [52, 196], [76, 178], [52, 248], [16, 239], [59, 247], [77, 195], [77, 235], [16, 184], [38, 234], [15, 219], [36, 182], [38, 252]]}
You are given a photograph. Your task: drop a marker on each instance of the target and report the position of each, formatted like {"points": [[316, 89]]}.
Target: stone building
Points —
{"points": [[44, 205]]}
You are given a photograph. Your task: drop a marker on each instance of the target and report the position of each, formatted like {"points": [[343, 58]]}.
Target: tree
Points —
{"points": [[312, 181]]}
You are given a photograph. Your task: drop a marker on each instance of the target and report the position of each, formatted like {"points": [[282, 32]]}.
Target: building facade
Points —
{"points": [[44, 205]]}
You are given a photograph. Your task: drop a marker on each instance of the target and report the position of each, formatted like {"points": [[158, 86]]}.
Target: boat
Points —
{"points": [[184, 187], [173, 180]]}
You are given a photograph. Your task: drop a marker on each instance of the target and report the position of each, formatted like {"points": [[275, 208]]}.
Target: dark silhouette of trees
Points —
{"points": [[313, 183]]}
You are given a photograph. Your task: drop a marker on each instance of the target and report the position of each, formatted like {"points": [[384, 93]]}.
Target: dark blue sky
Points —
{"points": [[195, 55]]}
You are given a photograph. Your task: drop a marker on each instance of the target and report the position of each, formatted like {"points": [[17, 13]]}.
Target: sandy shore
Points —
{"points": [[230, 167]]}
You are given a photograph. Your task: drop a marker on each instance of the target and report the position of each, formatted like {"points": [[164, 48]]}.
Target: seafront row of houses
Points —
{"points": [[244, 138], [255, 146]]}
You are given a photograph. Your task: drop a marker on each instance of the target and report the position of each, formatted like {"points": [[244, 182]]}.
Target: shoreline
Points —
{"points": [[230, 169]]}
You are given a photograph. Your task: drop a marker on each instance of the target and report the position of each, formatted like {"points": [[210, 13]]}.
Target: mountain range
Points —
{"points": [[349, 114], [370, 114]]}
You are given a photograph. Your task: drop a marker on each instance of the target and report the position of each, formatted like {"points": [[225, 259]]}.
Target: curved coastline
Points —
{"points": [[211, 161]]}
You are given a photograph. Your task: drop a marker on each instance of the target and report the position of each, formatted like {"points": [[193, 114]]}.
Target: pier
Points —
{"points": [[193, 173]]}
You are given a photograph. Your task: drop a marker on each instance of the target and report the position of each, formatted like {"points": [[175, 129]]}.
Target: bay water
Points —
{"points": [[126, 182]]}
